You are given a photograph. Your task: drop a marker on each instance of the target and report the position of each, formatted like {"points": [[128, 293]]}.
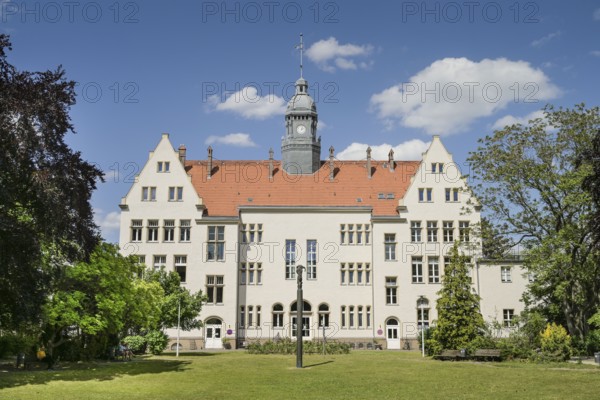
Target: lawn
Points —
{"points": [[360, 375]]}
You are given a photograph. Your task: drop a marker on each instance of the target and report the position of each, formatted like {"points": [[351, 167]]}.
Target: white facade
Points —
{"points": [[366, 290]]}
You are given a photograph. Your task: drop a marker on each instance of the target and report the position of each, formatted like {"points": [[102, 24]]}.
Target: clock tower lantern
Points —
{"points": [[301, 148]]}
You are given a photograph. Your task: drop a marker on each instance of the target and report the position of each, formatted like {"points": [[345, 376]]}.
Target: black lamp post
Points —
{"points": [[299, 311]]}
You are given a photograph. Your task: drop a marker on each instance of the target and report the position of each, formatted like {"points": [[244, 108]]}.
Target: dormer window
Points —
{"points": [[163, 166]]}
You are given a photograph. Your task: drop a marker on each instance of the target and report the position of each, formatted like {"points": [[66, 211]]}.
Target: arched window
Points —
{"points": [[422, 312], [277, 315], [323, 315], [305, 308]]}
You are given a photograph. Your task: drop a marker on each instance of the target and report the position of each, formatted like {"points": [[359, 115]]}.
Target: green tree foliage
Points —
{"points": [[459, 320], [495, 246], [531, 178], [101, 298], [176, 296], [45, 187]]}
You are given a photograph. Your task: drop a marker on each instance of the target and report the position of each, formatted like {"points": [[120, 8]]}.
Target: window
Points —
{"points": [[433, 265], [159, 262], [136, 230], [252, 233], [351, 274], [415, 231], [152, 230], [242, 320], [451, 195], [216, 243], [141, 259], [448, 230], [390, 246], [391, 290], [175, 193], [323, 315], [355, 234], [163, 166], [432, 231], [368, 316], [508, 316], [251, 274], [359, 317], [359, 274], [351, 316], [311, 259], [184, 230], [290, 259], [258, 312], [342, 273], [277, 316], [422, 313], [180, 267], [355, 274], [437, 168], [148, 193], [367, 274], [343, 316], [250, 315], [417, 270], [214, 289], [505, 274], [169, 230], [463, 231], [425, 195]]}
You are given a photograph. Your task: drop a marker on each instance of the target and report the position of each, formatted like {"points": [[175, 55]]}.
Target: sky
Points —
{"points": [[385, 74]]}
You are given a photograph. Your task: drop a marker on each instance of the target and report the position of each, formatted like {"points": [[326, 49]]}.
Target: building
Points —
{"points": [[371, 234]]}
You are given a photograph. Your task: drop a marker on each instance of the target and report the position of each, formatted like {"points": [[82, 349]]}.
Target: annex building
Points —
{"points": [[372, 234]]}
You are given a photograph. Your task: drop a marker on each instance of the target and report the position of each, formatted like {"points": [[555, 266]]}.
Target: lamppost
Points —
{"points": [[299, 311], [422, 305]]}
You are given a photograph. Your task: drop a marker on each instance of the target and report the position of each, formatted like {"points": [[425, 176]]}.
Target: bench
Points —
{"points": [[487, 355], [451, 355], [29, 361]]}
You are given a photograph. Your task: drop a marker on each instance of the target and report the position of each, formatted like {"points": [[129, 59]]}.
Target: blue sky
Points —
{"points": [[384, 73]]}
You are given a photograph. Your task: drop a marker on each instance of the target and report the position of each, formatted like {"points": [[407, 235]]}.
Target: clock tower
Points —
{"points": [[300, 147]]}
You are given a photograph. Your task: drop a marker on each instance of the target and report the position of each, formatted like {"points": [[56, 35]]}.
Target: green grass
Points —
{"points": [[360, 375]]}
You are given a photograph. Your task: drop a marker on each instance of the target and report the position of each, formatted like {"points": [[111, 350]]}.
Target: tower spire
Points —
{"points": [[301, 48]]}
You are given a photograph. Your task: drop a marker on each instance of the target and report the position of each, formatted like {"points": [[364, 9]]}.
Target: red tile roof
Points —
{"points": [[246, 183]]}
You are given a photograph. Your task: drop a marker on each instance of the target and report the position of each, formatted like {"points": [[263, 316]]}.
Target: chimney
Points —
{"points": [[271, 164], [209, 172], [369, 162], [391, 159], [182, 153], [331, 166]]}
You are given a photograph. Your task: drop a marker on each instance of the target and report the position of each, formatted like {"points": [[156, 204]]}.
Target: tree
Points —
{"points": [[495, 246], [101, 298], [459, 320], [531, 178], [175, 296], [45, 188]]}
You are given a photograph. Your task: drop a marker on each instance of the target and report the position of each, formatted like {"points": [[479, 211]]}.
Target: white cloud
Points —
{"points": [[109, 223], [321, 125], [597, 14], [233, 139], [595, 53], [250, 104], [450, 94], [541, 41], [409, 150], [326, 51], [511, 120]]}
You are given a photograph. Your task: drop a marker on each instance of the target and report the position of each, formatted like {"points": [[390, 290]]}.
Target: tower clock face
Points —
{"points": [[301, 129]]}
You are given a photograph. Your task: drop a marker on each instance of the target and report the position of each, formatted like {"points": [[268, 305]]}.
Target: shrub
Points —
{"points": [[556, 343], [11, 344], [287, 346], [157, 342], [137, 344]]}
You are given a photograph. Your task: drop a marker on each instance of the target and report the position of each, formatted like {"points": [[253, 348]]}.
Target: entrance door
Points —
{"points": [[213, 329], [305, 327], [392, 334]]}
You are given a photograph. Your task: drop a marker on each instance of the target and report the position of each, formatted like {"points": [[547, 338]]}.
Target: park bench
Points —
{"points": [[451, 355], [487, 355]]}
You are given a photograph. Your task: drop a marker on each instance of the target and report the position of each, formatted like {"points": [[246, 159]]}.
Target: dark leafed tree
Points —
{"points": [[531, 178], [45, 188]]}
